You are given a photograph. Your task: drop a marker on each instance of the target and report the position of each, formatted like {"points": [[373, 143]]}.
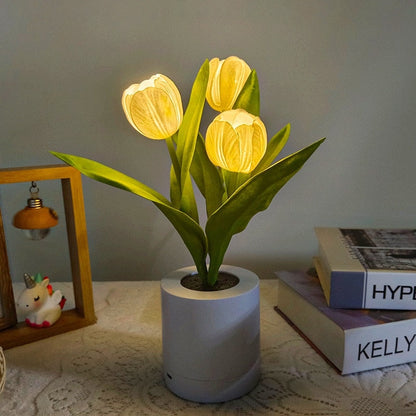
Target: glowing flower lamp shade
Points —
{"points": [[226, 80], [236, 141], [154, 107], [35, 219]]}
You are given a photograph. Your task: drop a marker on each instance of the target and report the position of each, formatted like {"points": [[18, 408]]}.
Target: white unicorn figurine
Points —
{"points": [[44, 306]]}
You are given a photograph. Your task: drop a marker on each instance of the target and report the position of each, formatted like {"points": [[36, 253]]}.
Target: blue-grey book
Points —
{"points": [[367, 268]]}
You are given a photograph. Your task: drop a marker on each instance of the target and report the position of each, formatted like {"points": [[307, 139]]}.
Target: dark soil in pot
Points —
{"points": [[224, 281]]}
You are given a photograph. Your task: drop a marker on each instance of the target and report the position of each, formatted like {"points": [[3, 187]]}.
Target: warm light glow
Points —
{"points": [[154, 107], [226, 80], [236, 141]]}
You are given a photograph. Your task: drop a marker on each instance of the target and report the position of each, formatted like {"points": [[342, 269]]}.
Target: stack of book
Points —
{"points": [[357, 306]]}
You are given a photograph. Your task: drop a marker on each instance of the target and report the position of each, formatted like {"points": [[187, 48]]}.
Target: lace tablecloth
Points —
{"points": [[114, 368]]}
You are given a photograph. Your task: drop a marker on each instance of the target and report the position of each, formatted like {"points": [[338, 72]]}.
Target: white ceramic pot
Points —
{"points": [[211, 340]]}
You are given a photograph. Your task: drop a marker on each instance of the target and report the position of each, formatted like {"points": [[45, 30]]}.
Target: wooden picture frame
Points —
{"points": [[7, 308], [83, 314]]}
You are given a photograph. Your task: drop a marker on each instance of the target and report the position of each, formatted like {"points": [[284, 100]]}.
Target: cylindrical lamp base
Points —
{"points": [[211, 340]]}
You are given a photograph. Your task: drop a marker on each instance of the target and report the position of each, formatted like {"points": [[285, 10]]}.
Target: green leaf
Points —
{"points": [[189, 129], [175, 191], [207, 177], [252, 197], [274, 147], [175, 173], [191, 233], [188, 203], [109, 176], [249, 97]]}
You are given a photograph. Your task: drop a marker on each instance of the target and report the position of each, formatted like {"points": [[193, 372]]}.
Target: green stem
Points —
{"points": [[203, 272], [173, 157], [233, 180]]}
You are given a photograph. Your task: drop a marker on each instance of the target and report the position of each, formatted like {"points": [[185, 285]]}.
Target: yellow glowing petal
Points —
{"points": [[237, 117], [154, 107], [162, 111], [229, 148], [234, 74], [213, 142], [147, 108], [126, 102], [226, 80], [236, 141], [245, 156], [259, 143], [169, 87], [213, 86]]}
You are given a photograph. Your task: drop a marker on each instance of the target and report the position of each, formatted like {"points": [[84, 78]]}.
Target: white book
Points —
{"points": [[352, 340], [368, 268]]}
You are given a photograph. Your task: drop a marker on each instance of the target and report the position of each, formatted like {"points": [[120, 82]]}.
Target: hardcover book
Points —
{"points": [[368, 268], [352, 340]]}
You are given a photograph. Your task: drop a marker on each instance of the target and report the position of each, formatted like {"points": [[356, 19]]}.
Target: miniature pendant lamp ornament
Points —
{"points": [[42, 305], [35, 219]]}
